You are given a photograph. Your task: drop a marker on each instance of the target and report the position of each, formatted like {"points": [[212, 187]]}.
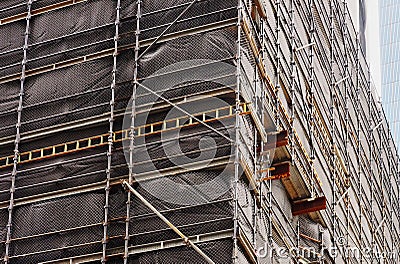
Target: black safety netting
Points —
{"points": [[11, 62], [80, 42], [6, 150], [147, 100], [201, 14], [5, 183], [218, 45], [46, 109], [166, 154], [58, 228], [62, 173], [156, 17], [8, 107], [12, 36], [70, 95], [219, 251], [71, 19], [11, 5], [3, 230]]}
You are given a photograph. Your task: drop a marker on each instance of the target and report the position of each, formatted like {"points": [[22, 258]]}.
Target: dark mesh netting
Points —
{"points": [[213, 45], [11, 63], [8, 107], [3, 230], [14, 5], [219, 251], [62, 173], [63, 226], [200, 14], [60, 198], [205, 217], [12, 37], [71, 19], [193, 148], [89, 97], [5, 184]]}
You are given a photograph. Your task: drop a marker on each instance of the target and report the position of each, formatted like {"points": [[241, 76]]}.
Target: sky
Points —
{"points": [[372, 36], [373, 44]]}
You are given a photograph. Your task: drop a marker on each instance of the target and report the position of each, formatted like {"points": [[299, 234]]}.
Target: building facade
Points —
{"points": [[390, 63], [252, 126]]}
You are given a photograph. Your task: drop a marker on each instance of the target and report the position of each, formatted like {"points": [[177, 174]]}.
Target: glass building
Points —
{"points": [[390, 63]]}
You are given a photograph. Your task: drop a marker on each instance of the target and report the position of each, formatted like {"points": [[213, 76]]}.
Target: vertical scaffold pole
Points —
{"points": [[346, 118], [332, 127], [359, 197], [391, 198], [270, 212], [17, 134], [237, 131], [132, 130], [277, 61], [382, 206], [392, 165], [298, 241], [312, 91], [292, 80], [370, 147], [264, 160], [255, 157], [110, 136]]}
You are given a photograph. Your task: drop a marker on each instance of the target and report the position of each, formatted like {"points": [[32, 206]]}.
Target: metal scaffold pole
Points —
{"points": [[370, 171], [358, 110], [332, 128], [17, 135], [298, 241], [237, 134], [278, 62], [257, 167], [111, 135], [382, 205], [270, 212], [132, 130], [312, 92], [292, 80], [391, 198], [346, 92]]}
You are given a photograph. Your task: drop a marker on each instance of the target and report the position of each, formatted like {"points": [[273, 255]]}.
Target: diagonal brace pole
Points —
{"points": [[166, 30], [185, 239]]}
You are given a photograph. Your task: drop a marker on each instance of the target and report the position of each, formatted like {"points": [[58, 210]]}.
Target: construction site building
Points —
{"points": [[253, 126]]}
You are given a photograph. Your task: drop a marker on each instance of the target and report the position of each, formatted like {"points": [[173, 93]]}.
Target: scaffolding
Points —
{"points": [[267, 103]]}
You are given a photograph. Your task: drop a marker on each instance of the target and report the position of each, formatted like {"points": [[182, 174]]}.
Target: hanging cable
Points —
{"points": [[17, 134]]}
